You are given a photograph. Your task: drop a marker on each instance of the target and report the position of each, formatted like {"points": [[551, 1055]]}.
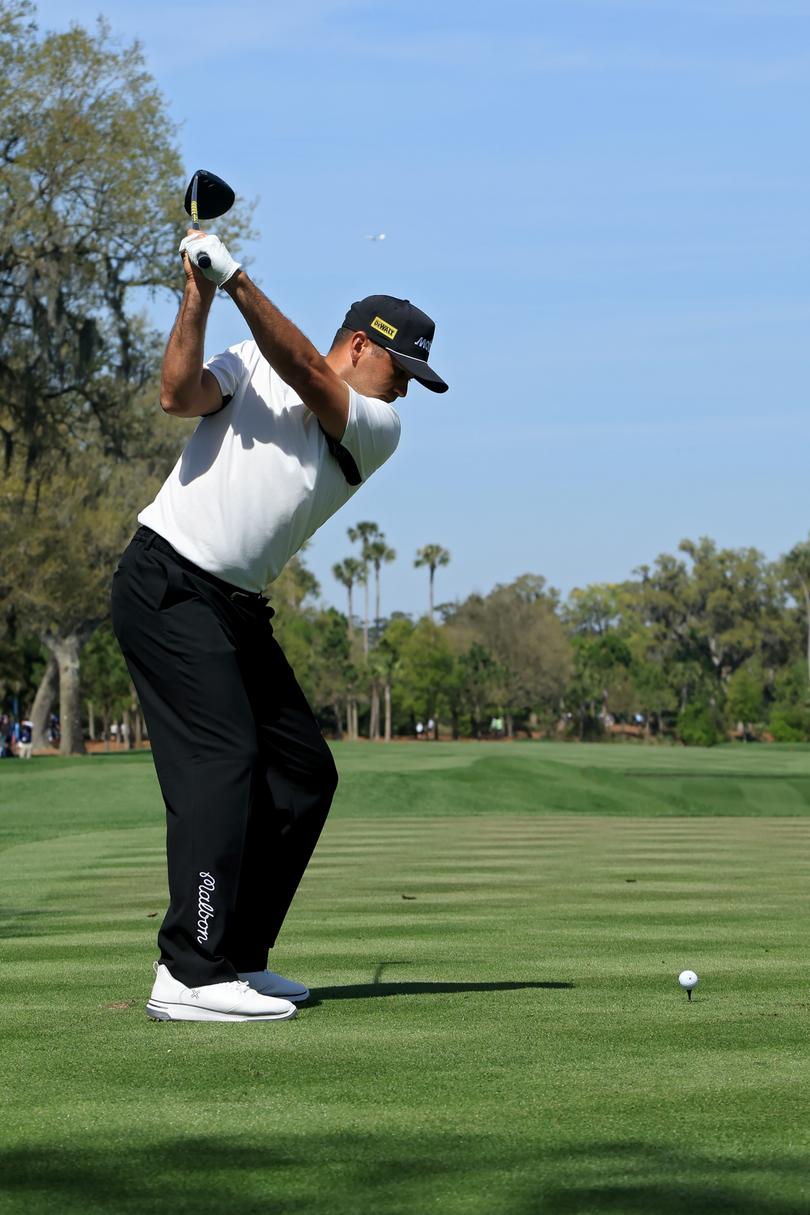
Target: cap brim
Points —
{"points": [[419, 369]]}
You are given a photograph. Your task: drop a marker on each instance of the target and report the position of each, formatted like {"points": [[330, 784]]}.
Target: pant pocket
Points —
{"points": [[178, 587], [139, 586]]}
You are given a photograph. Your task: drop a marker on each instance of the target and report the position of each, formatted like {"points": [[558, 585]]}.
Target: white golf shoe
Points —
{"points": [[268, 983], [236, 1001]]}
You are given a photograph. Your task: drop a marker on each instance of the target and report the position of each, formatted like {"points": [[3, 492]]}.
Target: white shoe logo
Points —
{"points": [[194, 993]]}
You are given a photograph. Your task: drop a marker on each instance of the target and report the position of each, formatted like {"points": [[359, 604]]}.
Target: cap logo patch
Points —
{"points": [[384, 328], [423, 343]]}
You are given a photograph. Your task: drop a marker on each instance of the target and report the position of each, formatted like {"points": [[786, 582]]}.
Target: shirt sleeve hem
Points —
{"points": [[221, 379]]}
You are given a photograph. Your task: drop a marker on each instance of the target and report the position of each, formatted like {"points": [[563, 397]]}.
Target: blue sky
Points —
{"points": [[604, 204]]}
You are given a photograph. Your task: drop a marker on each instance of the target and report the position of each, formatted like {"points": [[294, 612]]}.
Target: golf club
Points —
{"points": [[207, 197]]}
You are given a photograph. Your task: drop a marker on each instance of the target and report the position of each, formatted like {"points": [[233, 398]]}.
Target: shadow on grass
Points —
{"points": [[23, 922], [366, 991], [657, 1198], [648, 774], [343, 1172], [636, 1178]]}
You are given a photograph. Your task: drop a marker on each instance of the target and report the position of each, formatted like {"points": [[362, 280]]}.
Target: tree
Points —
{"points": [[89, 190], [480, 679], [746, 697], [789, 717], [656, 682], [600, 626], [707, 619], [59, 555], [293, 595], [796, 573], [736, 605], [388, 656], [105, 682], [23, 662], [363, 534], [331, 663], [348, 572], [426, 669], [44, 701], [699, 725], [431, 555], [597, 661], [379, 552], [517, 623], [595, 610]]}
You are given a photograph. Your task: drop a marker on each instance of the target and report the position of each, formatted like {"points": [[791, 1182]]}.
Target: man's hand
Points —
{"points": [[196, 282], [187, 390], [222, 267]]}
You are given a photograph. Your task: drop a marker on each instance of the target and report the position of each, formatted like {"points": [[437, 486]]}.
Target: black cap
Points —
{"points": [[402, 330]]}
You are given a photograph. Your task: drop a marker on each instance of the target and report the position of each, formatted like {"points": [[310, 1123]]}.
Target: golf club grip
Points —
{"points": [[203, 260]]}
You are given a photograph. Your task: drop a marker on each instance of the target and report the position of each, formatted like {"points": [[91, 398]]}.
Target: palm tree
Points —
{"points": [[376, 551], [379, 552], [432, 555], [363, 534], [348, 572]]}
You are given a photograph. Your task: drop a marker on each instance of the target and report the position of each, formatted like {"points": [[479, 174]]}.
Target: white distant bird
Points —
{"points": [[375, 236]]}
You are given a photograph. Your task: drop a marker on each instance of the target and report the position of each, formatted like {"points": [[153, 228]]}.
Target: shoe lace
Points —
{"points": [[241, 986]]}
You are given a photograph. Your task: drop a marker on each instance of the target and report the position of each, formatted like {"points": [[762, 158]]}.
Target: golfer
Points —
{"points": [[286, 437]]}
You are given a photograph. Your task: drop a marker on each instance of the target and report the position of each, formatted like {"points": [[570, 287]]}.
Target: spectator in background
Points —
{"points": [[420, 729], [25, 745]]}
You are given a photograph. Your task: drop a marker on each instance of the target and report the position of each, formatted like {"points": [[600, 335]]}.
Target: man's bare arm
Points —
{"points": [[187, 390], [292, 355]]}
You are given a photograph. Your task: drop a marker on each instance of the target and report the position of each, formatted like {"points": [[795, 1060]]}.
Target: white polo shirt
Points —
{"points": [[257, 479]]}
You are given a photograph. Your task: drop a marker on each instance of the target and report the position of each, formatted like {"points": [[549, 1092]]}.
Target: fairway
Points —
{"points": [[492, 934]]}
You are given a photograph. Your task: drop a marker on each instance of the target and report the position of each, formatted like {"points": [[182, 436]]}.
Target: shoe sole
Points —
{"points": [[158, 1011]]}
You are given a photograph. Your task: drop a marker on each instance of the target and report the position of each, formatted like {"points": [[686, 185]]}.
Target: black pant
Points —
{"points": [[245, 773]]}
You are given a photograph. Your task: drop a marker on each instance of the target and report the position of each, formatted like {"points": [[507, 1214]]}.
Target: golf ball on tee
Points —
{"points": [[688, 979]]}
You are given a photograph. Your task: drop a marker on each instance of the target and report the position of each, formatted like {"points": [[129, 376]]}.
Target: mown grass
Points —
{"points": [[492, 935], [444, 779]]}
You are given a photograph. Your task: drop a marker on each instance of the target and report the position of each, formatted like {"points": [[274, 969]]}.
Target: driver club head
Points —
{"points": [[214, 196]]}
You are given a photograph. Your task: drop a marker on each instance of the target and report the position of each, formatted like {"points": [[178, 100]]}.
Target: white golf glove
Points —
{"points": [[222, 265]]}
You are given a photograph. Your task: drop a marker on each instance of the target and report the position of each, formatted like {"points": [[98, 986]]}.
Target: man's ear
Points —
{"points": [[356, 344]]}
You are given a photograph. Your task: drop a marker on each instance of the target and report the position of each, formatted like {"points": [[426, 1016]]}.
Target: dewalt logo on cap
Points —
{"points": [[384, 328]]}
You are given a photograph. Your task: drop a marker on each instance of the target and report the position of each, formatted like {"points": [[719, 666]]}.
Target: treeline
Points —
{"points": [[697, 647]]}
